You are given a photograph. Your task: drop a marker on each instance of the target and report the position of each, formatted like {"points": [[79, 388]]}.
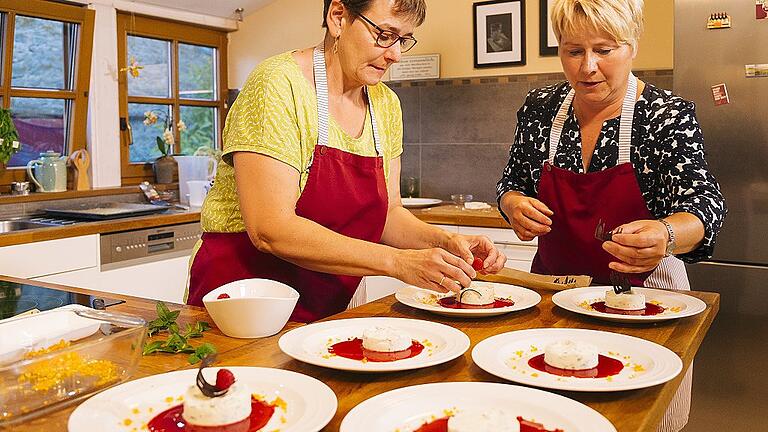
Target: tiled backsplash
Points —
{"points": [[457, 132]]}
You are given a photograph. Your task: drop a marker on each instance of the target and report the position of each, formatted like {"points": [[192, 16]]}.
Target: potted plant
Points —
{"points": [[164, 166], [9, 138]]}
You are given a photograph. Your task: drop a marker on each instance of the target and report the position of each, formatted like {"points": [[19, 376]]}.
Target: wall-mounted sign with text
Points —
{"points": [[416, 67], [756, 70]]}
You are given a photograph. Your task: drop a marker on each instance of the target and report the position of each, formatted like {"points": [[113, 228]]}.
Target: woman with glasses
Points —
{"points": [[308, 190], [608, 171]]}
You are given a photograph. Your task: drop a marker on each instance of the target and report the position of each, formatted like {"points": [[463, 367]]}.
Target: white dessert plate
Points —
{"points": [[427, 300], [309, 404], [646, 364], [310, 343], [420, 202], [406, 409], [676, 305]]}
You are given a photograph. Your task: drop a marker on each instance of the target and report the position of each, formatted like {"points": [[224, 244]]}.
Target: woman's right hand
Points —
{"points": [[528, 216], [434, 269]]}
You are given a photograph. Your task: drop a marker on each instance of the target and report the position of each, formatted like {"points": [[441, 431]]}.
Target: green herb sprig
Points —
{"points": [[177, 342]]}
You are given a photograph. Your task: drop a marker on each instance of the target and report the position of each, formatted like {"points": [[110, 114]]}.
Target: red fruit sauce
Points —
{"points": [[441, 425], [353, 349], [171, 420], [650, 309], [222, 296], [451, 303], [606, 366]]}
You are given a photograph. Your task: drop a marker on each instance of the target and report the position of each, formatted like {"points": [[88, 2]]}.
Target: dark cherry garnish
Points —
{"points": [[222, 296]]}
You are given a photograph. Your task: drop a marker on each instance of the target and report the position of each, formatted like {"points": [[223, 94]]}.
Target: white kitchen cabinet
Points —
{"points": [[377, 287], [155, 279], [519, 253], [49, 257]]}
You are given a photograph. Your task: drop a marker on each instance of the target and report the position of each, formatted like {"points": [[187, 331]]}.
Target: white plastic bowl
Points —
{"points": [[255, 307]]}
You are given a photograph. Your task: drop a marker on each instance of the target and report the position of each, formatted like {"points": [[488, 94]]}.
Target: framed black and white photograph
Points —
{"points": [[499, 35], [547, 39]]}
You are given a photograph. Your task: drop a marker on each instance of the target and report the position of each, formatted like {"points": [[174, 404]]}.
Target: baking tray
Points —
{"points": [[103, 211]]}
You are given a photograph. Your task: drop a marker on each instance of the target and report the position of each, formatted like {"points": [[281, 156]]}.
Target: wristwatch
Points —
{"points": [[671, 242]]}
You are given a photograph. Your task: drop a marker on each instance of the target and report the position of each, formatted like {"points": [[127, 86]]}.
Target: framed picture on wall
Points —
{"points": [[547, 39], [499, 33]]}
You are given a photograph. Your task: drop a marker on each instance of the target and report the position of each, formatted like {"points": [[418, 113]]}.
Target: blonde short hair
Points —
{"points": [[622, 19]]}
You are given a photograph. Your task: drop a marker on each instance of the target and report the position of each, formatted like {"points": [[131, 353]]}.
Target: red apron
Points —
{"points": [[579, 201], [344, 192]]}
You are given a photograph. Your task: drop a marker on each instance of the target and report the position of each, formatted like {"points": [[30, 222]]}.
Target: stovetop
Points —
{"points": [[16, 298]]}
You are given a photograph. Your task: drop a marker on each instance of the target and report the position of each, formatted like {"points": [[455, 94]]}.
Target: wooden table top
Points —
{"points": [[635, 410]]}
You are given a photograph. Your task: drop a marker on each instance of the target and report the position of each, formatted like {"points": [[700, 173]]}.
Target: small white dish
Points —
{"points": [[309, 404], [646, 364], [406, 409], [310, 343], [676, 304], [420, 202], [255, 307], [427, 300]]}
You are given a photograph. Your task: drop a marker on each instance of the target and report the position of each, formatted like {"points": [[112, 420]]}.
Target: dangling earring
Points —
{"points": [[336, 43]]}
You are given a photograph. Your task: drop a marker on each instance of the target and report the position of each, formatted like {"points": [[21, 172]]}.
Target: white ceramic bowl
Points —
{"points": [[255, 307]]}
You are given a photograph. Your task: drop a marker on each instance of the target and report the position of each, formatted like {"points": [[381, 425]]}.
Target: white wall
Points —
{"points": [[103, 115], [291, 24]]}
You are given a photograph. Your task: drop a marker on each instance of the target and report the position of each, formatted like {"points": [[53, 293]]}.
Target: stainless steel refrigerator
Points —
{"points": [[731, 378]]}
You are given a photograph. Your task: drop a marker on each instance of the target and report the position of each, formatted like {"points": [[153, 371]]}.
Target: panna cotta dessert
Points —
{"points": [[488, 420], [477, 294], [571, 355], [227, 402], [386, 339], [630, 300]]}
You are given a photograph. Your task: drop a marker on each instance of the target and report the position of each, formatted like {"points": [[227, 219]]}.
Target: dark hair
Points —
{"points": [[416, 10]]}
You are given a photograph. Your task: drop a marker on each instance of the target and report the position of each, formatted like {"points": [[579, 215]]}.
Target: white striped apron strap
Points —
{"points": [[627, 116], [670, 274], [625, 127], [557, 126], [360, 297], [323, 116]]}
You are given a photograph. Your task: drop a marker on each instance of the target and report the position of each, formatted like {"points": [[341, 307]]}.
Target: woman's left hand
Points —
{"points": [[470, 246], [639, 245]]}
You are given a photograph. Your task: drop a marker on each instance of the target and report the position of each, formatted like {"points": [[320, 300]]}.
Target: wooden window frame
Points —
{"points": [[175, 33], [78, 96]]}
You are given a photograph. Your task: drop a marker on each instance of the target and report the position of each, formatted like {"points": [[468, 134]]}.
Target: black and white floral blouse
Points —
{"points": [[667, 154]]}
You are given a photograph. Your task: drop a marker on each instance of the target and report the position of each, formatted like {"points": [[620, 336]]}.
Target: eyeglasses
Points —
{"points": [[387, 38]]}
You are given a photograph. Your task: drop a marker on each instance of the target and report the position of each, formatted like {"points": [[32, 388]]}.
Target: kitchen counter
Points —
{"points": [[636, 410], [443, 214], [449, 214], [170, 217]]}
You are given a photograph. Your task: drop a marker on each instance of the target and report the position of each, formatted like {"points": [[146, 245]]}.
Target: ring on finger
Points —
{"points": [[441, 280]]}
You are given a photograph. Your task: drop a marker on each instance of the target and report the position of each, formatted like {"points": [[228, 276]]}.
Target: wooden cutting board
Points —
{"points": [[531, 280]]}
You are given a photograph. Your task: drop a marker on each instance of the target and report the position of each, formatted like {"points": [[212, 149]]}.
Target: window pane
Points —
{"points": [[144, 148], [154, 56], [43, 53], [201, 128], [42, 126], [197, 74]]}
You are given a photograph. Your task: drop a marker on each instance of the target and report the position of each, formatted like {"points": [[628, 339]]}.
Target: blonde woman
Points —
{"points": [[606, 149], [308, 190]]}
